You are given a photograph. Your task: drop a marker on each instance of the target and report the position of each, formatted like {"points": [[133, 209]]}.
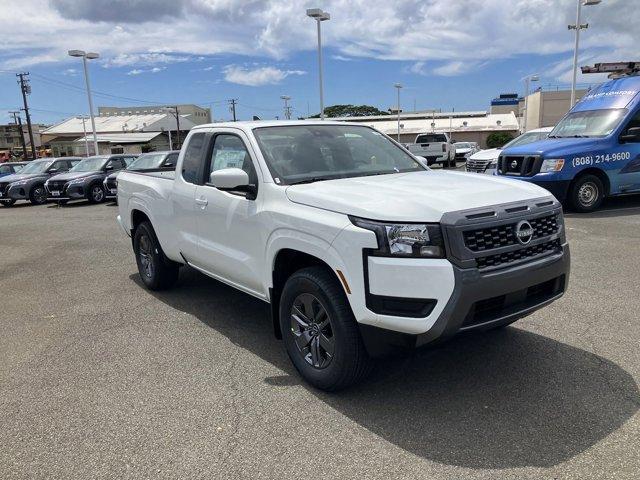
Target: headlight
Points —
{"points": [[552, 165], [405, 239], [493, 164], [20, 183], [76, 181]]}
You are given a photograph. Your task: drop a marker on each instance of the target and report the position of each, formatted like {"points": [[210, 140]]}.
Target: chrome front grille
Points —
{"points": [[477, 166]]}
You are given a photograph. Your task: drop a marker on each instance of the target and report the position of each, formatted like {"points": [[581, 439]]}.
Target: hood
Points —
{"points": [[412, 197], [552, 147], [73, 175], [489, 154], [16, 177]]}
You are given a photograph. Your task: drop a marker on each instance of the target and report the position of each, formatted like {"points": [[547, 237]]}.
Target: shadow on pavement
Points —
{"points": [[503, 399], [613, 207]]}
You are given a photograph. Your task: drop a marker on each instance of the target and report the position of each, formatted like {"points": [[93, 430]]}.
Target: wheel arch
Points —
{"points": [[286, 262], [597, 172]]}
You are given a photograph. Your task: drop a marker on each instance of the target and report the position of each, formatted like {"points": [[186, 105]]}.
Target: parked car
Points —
{"points": [[592, 153], [434, 148], [464, 150], [28, 184], [486, 161], [9, 168], [85, 180], [152, 161], [357, 246]]}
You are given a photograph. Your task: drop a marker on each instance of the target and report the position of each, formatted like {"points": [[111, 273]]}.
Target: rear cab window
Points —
{"points": [[431, 138]]}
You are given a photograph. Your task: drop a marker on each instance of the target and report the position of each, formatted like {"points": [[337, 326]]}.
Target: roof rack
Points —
{"points": [[614, 69]]}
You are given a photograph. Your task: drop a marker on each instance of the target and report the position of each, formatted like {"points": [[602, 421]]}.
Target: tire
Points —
{"points": [[8, 203], [96, 193], [319, 331], [586, 194], [156, 270], [38, 195]]}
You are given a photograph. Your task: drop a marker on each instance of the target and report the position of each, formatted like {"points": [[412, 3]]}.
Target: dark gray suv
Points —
{"points": [[85, 180], [28, 184]]}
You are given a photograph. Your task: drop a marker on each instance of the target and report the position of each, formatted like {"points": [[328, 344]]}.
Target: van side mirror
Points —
{"points": [[631, 135]]}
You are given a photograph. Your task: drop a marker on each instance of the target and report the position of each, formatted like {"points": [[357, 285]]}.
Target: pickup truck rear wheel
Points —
{"points": [[586, 193], [320, 333], [156, 271]]}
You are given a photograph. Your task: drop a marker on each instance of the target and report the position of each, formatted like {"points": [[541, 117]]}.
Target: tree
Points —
{"points": [[350, 111], [498, 139]]}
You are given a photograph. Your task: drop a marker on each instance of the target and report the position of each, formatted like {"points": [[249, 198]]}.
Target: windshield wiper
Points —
{"points": [[311, 180]]}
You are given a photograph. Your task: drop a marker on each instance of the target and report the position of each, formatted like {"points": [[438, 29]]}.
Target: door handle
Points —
{"points": [[202, 202]]}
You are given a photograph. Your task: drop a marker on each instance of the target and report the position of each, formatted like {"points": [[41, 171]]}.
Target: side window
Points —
{"points": [[5, 169], [229, 151], [116, 163], [73, 163], [633, 123], [193, 158], [60, 166]]}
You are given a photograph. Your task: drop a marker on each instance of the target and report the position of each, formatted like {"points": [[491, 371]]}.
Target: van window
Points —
{"points": [[193, 158]]}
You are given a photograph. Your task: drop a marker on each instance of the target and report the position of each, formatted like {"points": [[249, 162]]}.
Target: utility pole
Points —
{"points": [[178, 146], [232, 108], [25, 88], [287, 108], [18, 121]]}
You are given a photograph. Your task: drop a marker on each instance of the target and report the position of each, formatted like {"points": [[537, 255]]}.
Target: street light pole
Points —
{"points": [[527, 81], [319, 16], [88, 56], [398, 87], [577, 27], [287, 108]]}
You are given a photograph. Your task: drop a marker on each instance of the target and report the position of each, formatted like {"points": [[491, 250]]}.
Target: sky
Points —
{"points": [[447, 54]]}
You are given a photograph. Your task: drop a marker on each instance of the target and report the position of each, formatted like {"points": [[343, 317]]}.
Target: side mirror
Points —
{"points": [[229, 179], [169, 165], [52, 170], [631, 135], [108, 168]]}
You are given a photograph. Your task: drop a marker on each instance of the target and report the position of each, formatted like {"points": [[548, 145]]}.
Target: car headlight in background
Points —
{"points": [[423, 240], [77, 181], [493, 164], [552, 165], [19, 183]]}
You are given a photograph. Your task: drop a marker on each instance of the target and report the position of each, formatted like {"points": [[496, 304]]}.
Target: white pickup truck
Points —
{"points": [[359, 248], [434, 148]]}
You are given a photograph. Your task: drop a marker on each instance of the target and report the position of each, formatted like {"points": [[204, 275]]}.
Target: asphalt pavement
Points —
{"points": [[100, 378]]}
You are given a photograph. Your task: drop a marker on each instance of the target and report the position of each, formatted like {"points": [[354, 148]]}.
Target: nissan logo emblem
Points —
{"points": [[524, 232], [514, 165]]}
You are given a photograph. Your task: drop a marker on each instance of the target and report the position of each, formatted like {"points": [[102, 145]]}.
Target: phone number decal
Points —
{"points": [[597, 159]]}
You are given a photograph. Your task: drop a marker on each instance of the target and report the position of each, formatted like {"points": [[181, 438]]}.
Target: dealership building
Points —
{"points": [[463, 126]]}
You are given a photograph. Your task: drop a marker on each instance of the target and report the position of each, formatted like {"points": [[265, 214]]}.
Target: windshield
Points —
{"points": [[147, 160], [90, 164], [36, 167], [431, 138], [590, 123], [525, 138], [308, 153]]}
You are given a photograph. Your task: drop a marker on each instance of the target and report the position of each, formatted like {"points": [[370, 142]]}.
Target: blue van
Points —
{"points": [[592, 153]]}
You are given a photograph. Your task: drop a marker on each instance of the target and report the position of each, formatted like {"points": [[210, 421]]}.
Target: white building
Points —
{"points": [[463, 126], [198, 115], [117, 134]]}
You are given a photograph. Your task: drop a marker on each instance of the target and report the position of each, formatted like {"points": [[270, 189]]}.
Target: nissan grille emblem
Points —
{"points": [[524, 232], [514, 165]]}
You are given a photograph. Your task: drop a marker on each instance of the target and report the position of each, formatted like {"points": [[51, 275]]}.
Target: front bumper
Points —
{"points": [[67, 192], [18, 192]]}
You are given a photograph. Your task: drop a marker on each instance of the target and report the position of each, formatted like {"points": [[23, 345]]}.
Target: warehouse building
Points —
{"points": [[463, 126], [117, 134]]}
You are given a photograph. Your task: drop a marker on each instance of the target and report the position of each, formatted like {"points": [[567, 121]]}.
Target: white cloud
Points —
{"points": [[257, 76], [71, 72], [438, 32], [419, 68], [138, 71]]}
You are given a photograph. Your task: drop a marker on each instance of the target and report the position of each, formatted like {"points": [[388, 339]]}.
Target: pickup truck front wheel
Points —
{"points": [[320, 334], [156, 271]]}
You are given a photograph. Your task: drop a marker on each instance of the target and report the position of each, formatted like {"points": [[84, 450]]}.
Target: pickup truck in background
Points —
{"points": [[152, 161], [594, 151], [359, 248], [434, 148]]}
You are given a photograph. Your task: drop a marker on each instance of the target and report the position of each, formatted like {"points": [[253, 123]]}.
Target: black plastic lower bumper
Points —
{"points": [[483, 301], [559, 189]]}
